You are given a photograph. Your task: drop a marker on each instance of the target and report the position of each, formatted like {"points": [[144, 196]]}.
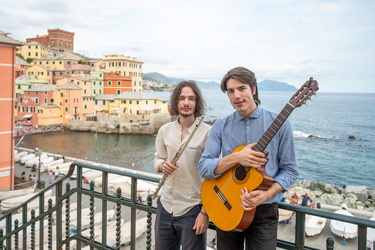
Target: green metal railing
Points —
{"points": [[57, 212]]}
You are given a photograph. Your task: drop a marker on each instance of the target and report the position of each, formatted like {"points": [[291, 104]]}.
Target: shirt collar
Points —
{"points": [[254, 115]]}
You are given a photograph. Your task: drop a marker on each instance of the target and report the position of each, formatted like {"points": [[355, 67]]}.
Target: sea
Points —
{"points": [[322, 128]]}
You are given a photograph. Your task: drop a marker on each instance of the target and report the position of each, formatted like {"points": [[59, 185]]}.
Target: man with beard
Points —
{"points": [[180, 219]]}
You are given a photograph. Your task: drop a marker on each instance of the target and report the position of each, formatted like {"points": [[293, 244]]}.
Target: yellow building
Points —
{"points": [[49, 114], [40, 72], [132, 103], [125, 66], [33, 50]]}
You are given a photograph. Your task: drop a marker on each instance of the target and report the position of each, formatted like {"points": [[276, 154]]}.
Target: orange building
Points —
{"points": [[71, 102], [7, 94], [115, 84]]}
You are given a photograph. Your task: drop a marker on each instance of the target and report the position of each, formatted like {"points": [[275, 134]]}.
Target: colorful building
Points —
{"points": [[8, 75], [115, 84], [125, 66], [71, 102], [56, 40], [33, 50], [34, 102]]}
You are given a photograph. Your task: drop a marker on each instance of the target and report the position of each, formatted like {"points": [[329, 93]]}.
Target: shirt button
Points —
{"points": [[247, 127], [248, 142]]}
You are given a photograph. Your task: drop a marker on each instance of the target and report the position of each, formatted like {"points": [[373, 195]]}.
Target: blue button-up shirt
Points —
{"points": [[235, 130]]}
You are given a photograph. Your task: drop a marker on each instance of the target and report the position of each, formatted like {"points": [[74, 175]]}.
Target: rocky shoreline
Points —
{"points": [[359, 198]]}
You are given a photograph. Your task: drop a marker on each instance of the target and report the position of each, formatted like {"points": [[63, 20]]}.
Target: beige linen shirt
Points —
{"points": [[181, 190]]}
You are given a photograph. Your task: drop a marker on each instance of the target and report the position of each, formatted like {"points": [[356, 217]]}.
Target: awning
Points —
{"points": [[27, 116]]}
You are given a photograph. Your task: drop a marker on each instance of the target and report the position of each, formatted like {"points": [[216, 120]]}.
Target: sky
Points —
{"points": [[282, 40]]}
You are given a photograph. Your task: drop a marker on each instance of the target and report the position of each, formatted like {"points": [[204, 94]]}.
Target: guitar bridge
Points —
{"points": [[222, 198]]}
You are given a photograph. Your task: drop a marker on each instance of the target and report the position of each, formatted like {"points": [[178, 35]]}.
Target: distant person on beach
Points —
{"points": [[51, 178], [180, 218], [57, 173], [139, 200], [245, 127], [305, 199]]}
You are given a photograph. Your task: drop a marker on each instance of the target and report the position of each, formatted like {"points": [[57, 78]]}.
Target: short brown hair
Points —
{"points": [[243, 75], [199, 101]]}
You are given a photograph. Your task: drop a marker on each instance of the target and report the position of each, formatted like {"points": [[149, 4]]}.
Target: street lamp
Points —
{"points": [[39, 152]]}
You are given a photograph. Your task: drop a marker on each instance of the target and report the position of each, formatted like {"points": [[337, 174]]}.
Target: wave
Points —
{"points": [[300, 134]]}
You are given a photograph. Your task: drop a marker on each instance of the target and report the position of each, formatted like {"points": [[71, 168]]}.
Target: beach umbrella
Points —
{"points": [[344, 229]]}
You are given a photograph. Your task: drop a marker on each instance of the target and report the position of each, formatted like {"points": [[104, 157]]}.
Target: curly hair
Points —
{"points": [[173, 102]]}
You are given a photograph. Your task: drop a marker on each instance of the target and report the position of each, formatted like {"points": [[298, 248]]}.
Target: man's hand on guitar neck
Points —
{"points": [[254, 198], [246, 157]]}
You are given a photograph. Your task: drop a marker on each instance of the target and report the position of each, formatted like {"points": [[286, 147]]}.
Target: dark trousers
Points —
{"points": [[261, 234], [173, 232]]}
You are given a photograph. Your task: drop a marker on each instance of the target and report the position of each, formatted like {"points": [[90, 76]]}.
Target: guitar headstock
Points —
{"points": [[304, 93]]}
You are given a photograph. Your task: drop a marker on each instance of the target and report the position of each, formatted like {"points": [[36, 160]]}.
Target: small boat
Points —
{"points": [[13, 202], [344, 229], [23, 159], [16, 193], [35, 160], [54, 164], [314, 225], [19, 155], [141, 225], [285, 215]]}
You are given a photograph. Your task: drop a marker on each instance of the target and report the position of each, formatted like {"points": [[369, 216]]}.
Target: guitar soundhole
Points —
{"points": [[240, 172]]}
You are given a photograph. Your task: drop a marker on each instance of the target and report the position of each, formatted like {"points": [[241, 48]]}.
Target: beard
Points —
{"points": [[186, 114]]}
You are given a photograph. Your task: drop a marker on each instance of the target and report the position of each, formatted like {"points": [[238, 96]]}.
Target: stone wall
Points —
{"points": [[122, 124]]}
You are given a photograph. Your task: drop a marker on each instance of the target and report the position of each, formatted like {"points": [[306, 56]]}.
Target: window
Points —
{"points": [[118, 83], [37, 93], [36, 100], [85, 106], [66, 109], [45, 100], [103, 102], [118, 91], [146, 102], [130, 102], [51, 100], [109, 83]]}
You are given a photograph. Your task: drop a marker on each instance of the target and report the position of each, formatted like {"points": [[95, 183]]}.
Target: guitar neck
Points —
{"points": [[275, 126]]}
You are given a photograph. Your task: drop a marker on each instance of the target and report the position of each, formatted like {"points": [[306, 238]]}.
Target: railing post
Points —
{"points": [[92, 213], [118, 218], [16, 236], [50, 224], [149, 223], [330, 243], [300, 230], [67, 217]]}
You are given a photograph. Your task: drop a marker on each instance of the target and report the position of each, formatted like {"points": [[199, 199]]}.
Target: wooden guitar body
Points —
{"points": [[222, 200]]}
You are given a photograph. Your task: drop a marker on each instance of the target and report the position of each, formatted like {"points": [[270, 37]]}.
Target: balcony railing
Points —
{"points": [[63, 231]]}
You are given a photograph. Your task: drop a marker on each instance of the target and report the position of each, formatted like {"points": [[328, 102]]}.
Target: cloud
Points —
{"points": [[285, 40]]}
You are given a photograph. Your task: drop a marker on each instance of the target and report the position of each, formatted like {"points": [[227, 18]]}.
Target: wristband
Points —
{"points": [[203, 213]]}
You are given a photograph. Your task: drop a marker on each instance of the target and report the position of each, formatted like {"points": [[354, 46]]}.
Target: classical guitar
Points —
{"points": [[221, 196]]}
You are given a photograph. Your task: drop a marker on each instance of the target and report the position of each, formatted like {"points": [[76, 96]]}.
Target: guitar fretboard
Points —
{"points": [[275, 126]]}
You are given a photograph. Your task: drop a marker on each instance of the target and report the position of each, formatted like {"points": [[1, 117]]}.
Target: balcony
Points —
{"points": [[59, 223]]}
